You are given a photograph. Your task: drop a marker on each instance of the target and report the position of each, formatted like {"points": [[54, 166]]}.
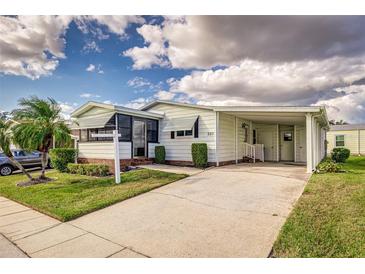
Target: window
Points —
{"points": [[83, 135], [172, 134], [340, 140], [288, 136], [152, 131], [254, 136], [188, 132], [180, 133], [125, 127]]}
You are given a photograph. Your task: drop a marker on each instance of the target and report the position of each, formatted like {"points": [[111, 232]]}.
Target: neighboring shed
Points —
{"points": [[348, 136]]}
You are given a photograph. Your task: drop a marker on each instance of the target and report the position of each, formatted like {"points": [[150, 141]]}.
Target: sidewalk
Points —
{"points": [[39, 235]]}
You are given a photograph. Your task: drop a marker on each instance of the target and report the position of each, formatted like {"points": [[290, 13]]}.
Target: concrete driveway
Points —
{"points": [[230, 211]]}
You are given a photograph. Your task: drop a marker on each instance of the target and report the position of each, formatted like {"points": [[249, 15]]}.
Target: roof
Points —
{"points": [[156, 102], [120, 109], [239, 108], [347, 127]]}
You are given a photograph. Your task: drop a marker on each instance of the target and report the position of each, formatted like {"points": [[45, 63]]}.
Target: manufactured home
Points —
{"points": [[348, 136], [232, 133]]}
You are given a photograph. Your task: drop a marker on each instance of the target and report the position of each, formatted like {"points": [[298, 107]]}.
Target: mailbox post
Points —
{"points": [[115, 136]]}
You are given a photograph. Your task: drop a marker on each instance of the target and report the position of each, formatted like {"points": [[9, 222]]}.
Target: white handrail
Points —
{"points": [[254, 152], [249, 151]]}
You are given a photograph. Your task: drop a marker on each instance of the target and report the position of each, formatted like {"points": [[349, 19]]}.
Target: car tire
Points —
{"points": [[6, 170]]}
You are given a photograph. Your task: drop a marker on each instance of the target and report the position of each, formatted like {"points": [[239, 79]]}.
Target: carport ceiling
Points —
{"points": [[288, 118]]}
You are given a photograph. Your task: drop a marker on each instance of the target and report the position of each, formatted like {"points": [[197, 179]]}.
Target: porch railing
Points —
{"points": [[254, 152], [249, 151]]}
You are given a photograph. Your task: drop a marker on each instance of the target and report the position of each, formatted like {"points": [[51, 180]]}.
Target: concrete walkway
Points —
{"points": [[173, 169], [231, 211], [37, 235]]}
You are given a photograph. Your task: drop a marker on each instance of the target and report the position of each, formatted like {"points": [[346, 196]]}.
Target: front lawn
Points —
{"points": [[71, 196], [329, 218]]}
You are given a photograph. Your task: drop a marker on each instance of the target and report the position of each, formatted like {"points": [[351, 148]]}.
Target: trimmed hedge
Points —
{"points": [[328, 166], [60, 157], [160, 154], [89, 169], [340, 154], [199, 152]]}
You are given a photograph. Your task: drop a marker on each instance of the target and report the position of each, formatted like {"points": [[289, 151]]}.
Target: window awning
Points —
{"points": [[95, 121], [176, 124]]}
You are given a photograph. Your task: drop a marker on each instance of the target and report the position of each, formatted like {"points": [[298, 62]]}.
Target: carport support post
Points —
{"points": [[308, 128], [116, 156]]}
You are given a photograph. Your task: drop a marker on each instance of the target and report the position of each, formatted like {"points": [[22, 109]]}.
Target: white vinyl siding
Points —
{"points": [[104, 150], [151, 150], [226, 150], [179, 149], [96, 111], [352, 138]]}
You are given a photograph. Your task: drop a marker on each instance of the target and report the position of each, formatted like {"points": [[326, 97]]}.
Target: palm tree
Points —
{"points": [[341, 122], [38, 122], [6, 137]]}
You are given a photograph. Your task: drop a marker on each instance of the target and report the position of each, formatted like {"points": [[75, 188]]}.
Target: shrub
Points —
{"points": [[328, 166], [340, 154], [89, 169], [199, 153], [60, 157], [160, 154]]}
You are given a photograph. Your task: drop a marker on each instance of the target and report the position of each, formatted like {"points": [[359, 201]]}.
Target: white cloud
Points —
{"points": [[93, 68], [31, 45], [152, 54], [91, 46], [67, 109], [137, 103], [115, 23], [90, 68], [164, 95], [89, 95], [349, 107], [209, 41], [139, 82], [271, 83]]}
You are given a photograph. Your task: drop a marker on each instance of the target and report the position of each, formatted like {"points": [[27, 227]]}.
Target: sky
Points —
{"points": [[207, 60]]}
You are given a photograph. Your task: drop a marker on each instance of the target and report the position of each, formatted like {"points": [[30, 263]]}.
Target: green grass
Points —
{"points": [[329, 218], [71, 196]]}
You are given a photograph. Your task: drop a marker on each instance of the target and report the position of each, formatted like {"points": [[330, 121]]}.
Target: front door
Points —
{"points": [[139, 138], [287, 145], [266, 137]]}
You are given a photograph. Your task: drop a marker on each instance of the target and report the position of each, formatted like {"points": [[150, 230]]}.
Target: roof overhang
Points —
{"points": [[115, 109], [287, 115]]}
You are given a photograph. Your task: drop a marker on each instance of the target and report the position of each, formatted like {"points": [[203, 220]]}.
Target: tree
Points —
{"points": [[6, 137], [38, 122], [341, 122]]}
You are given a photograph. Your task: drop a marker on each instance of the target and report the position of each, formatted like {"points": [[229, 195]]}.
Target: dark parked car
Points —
{"points": [[26, 159]]}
